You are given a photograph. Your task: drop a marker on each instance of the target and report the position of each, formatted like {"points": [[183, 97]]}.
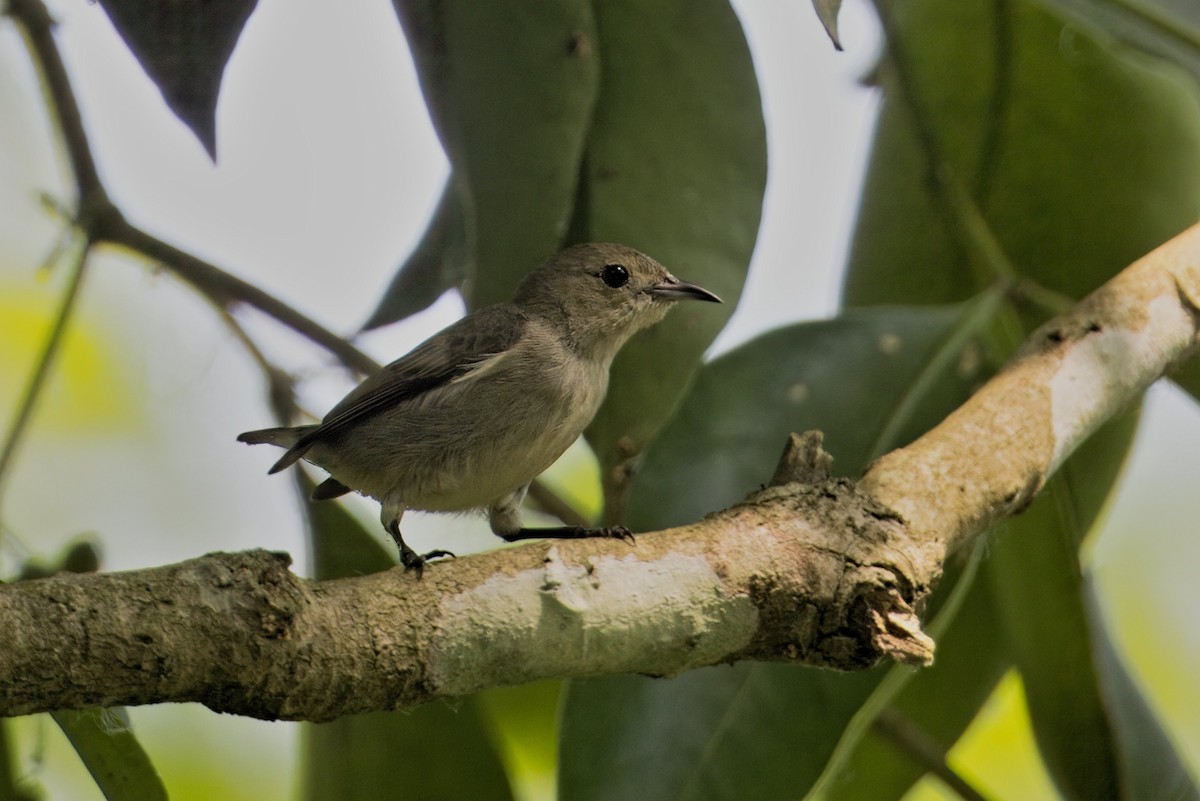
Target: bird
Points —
{"points": [[472, 415]]}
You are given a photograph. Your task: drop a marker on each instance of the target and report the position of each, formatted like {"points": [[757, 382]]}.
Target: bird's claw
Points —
{"points": [[415, 561], [618, 533]]}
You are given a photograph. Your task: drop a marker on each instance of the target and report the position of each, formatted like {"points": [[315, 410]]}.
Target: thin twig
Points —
{"points": [[103, 222], [911, 740], [281, 386], [38, 26], [41, 370], [225, 289]]}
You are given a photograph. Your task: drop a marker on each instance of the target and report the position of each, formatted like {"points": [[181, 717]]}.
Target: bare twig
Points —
{"points": [[911, 740], [103, 222], [225, 289], [38, 26]]}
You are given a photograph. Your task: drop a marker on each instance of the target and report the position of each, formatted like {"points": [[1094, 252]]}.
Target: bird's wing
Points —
{"points": [[467, 348]]}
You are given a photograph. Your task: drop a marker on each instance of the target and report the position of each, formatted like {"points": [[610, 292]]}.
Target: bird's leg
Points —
{"points": [[505, 518], [408, 557]]}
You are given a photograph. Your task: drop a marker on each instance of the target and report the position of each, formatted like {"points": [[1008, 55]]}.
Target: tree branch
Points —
{"points": [[103, 222], [990, 457], [809, 570], [242, 634]]}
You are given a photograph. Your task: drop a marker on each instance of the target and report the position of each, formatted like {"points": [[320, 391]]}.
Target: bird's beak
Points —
{"points": [[674, 289]]}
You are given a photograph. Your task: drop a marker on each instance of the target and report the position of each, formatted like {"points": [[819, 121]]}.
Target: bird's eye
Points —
{"points": [[615, 275]]}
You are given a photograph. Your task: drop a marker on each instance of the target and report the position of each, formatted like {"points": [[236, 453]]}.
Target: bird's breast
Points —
{"points": [[467, 444]]}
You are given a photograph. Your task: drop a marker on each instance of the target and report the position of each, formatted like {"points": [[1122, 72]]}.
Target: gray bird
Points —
{"points": [[473, 414]]}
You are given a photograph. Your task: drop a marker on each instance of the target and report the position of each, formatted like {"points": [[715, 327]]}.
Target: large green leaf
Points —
{"points": [[676, 167], [870, 380], [524, 720], [183, 46], [434, 752], [854, 377], [14, 787], [1187, 376], [827, 12], [105, 742], [440, 262], [8, 774], [510, 87], [1037, 578], [940, 701], [1152, 767], [747, 731], [1169, 29], [339, 545], [390, 755], [1081, 157]]}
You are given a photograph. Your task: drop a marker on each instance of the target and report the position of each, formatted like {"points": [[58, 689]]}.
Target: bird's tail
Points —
{"points": [[290, 437]]}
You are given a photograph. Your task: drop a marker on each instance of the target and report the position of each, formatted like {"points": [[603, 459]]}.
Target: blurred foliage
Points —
{"points": [[88, 390], [1069, 129], [104, 740]]}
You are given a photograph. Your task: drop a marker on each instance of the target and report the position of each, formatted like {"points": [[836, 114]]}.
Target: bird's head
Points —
{"points": [[600, 294]]}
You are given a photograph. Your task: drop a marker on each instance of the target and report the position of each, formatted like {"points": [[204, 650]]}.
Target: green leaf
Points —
{"points": [[1187, 376], [8, 775], [1047, 128], [183, 46], [1169, 29], [440, 262], [434, 752], [975, 652], [357, 757], [340, 545], [701, 735], [827, 12], [676, 167], [524, 720], [746, 731], [1081, 158], [510, 87], [851, 377], [1152, 767], [12, 786], [1038, 582], [105, 742], [941, 701]]}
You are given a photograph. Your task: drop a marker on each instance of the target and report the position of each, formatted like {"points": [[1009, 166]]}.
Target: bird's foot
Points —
{"points": [[415, 561], [615, 533]]}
